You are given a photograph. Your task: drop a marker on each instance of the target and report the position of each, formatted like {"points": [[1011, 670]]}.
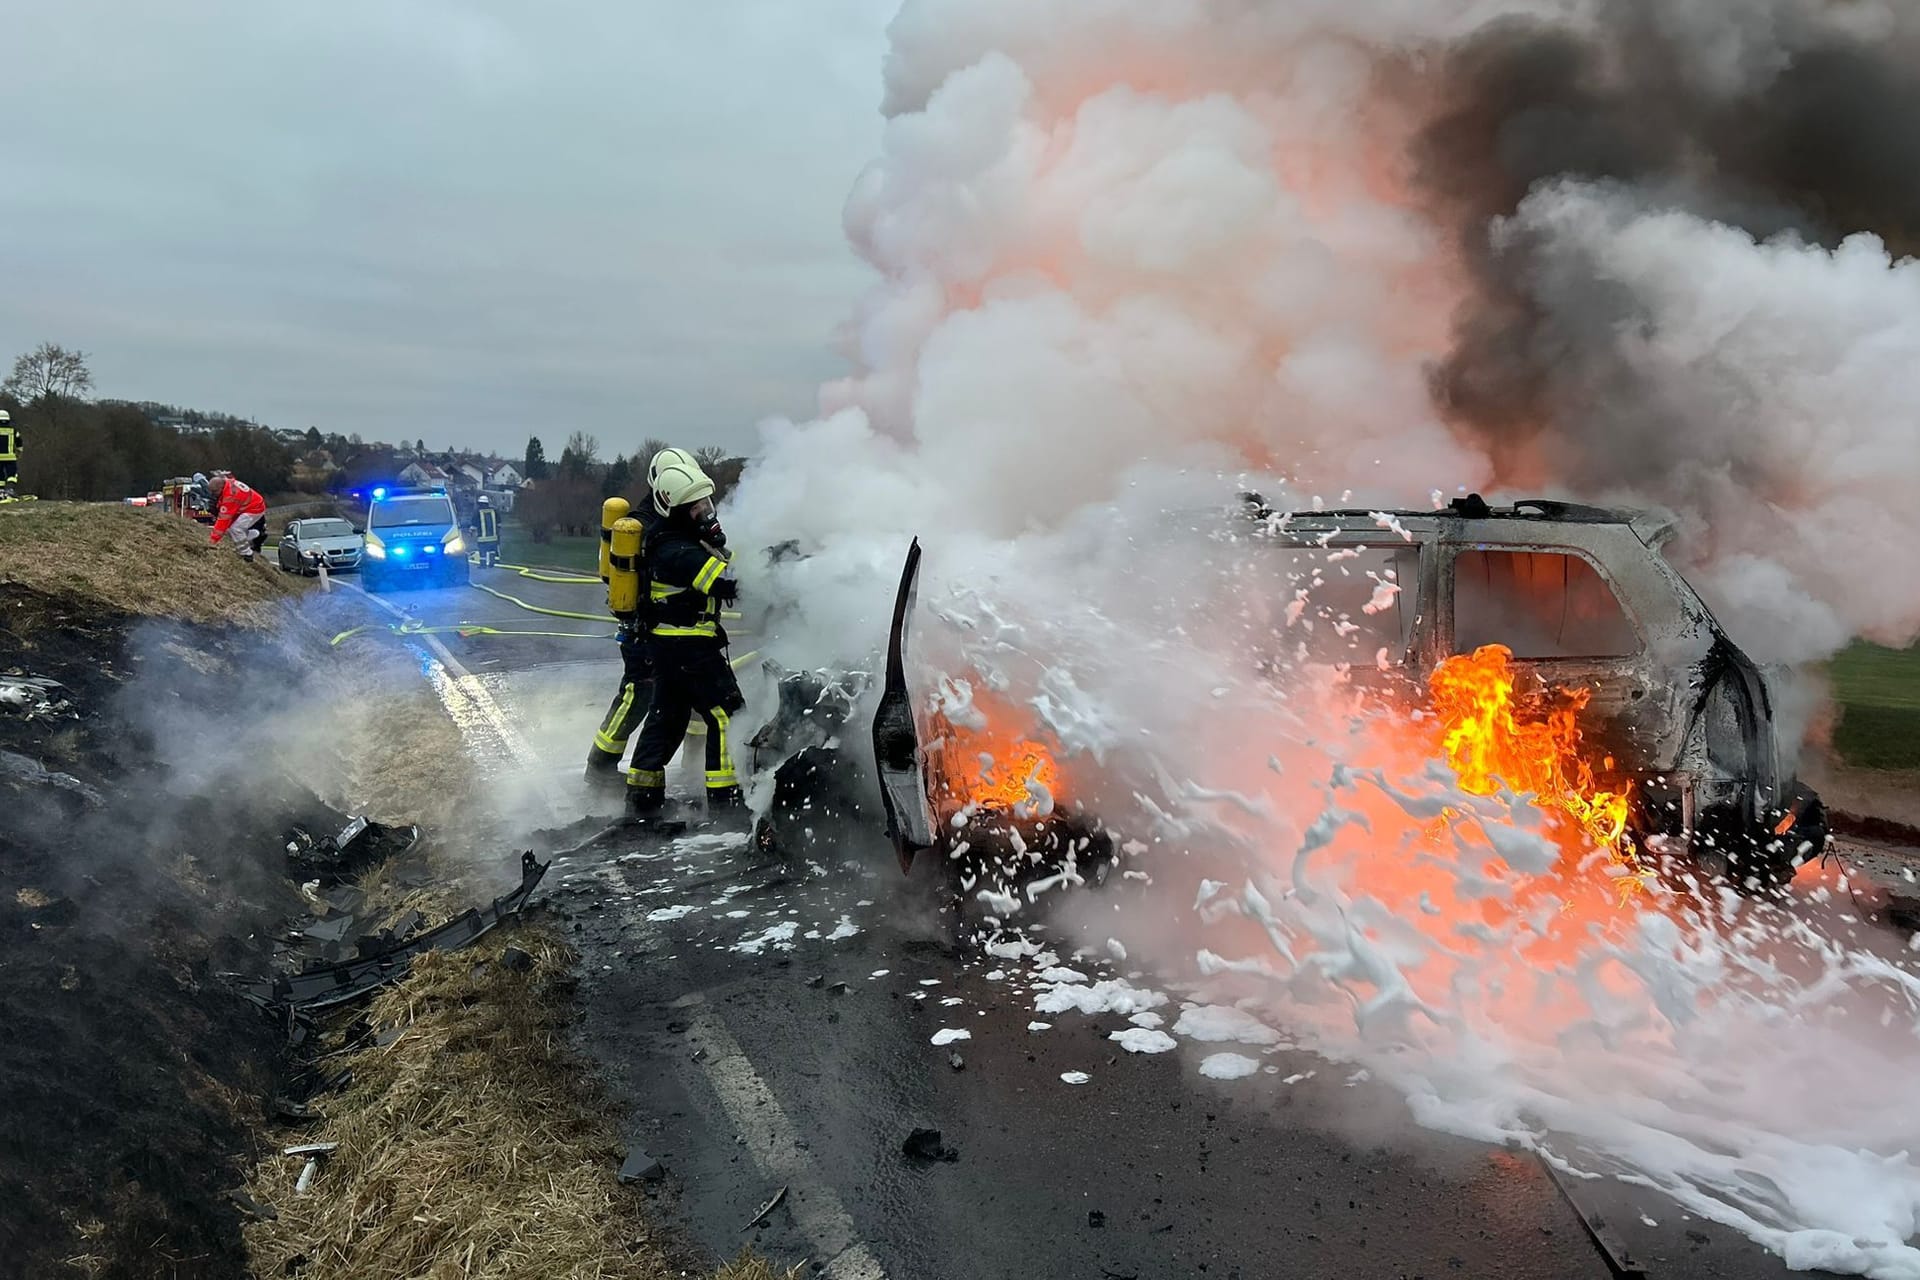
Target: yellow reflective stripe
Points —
{"points": [[720, 723], [709, 574], [646, 777], [661, 591], [721, 781], [698, 629], [610, 738]]}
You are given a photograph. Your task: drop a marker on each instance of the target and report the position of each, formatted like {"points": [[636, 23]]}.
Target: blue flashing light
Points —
{"points": [[400, 553], [429, 548], [379, 494]]}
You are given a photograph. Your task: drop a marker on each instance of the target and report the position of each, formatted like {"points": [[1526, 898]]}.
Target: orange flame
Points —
{"points": [[992, 766], [1002, 779], [1491, 737]]}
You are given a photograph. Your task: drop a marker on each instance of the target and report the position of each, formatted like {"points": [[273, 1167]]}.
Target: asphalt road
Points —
{"points": [[771, 1025]]}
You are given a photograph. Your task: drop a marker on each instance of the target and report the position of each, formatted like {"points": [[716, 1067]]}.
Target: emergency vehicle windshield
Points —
{"points": [[415, 509]]}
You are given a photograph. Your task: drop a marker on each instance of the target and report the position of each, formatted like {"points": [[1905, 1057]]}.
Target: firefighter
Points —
{"points": [[623, 535], [9, 458], [486, 531], [688, 578], [239, 508]]}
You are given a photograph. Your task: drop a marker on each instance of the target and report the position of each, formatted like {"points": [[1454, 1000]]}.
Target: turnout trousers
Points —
{"points": [[689, 680], [248, 531], [630, 702]]}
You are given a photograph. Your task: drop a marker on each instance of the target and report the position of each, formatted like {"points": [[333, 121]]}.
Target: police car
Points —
{"points": [[413, 538]]}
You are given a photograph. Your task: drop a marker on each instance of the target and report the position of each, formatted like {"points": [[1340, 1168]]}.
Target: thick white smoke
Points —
{"points": [[1137, 235], [1775, 382]]}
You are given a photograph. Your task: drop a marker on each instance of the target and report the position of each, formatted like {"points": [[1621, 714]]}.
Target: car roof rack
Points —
{"points": [[1471, 507]]}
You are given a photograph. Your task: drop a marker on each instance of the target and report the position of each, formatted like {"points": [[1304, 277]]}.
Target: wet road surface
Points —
{"points": [[771, 1025]]}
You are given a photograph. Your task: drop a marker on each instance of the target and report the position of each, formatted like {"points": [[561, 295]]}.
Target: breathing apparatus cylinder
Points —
{"points": [[612, 511], [623, 568]]}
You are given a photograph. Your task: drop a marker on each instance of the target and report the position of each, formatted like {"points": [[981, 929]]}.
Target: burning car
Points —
{"points": [[1567, 621], [1002, 808]]}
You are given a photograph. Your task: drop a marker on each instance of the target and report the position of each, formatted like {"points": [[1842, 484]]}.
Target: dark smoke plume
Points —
{"points": [[1643, 197]]}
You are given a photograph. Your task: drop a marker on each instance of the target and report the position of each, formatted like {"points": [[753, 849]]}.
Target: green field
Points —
{"points": [[516, 547], [1879, 695]]}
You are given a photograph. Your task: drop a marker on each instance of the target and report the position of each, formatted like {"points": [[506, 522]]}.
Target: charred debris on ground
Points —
{"points": [[138, 1074]]}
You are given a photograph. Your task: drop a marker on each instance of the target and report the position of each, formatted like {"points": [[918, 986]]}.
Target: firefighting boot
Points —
{"points": [[646, 792], [603, 773]]}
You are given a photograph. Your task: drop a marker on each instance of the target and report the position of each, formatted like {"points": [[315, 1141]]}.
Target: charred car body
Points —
{"points": [[1582, 598]]}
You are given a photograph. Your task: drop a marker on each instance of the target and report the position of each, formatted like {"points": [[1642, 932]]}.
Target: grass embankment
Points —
{"points": [[516, 547], [1879, 695], [139, 561]]}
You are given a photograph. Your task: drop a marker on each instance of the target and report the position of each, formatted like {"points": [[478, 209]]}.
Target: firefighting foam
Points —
{"points": [[1134, 255]]}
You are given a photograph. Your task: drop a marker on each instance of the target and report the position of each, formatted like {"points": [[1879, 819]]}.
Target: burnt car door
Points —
{"points": [[896, 734]]}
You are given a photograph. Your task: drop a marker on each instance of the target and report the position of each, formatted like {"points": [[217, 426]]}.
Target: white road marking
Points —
{"points": [[775, 1146], [470, 705]]}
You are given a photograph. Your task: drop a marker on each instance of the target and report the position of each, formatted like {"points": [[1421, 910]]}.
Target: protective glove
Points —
{"points": [[725, 590]]}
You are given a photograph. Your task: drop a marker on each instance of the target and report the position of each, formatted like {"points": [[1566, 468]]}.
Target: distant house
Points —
{"points": [[422, 474], [505, 476], [474, 472]]}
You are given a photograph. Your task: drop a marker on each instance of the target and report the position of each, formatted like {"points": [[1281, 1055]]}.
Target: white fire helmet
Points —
{"points": [[676, 479]]}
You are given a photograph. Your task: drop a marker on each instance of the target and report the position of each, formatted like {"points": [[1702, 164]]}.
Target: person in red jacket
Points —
{"points": [[239, 508]]}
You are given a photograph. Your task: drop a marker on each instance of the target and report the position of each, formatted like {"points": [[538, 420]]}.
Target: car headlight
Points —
{"points": [[375, 548], [456, 544]]}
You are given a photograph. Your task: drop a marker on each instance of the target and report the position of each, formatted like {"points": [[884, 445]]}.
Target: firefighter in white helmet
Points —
{"points": [[486, 531], [688, 577]]}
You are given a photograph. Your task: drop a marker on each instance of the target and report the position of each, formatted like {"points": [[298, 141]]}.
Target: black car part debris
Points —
{"points": [[26, 771], [896, 741], [361, 844], [1620, 1261], [32, 696], [328, 985]]}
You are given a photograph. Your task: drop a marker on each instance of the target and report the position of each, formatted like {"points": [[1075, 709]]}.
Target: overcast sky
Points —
{"points": [[468, 220]]}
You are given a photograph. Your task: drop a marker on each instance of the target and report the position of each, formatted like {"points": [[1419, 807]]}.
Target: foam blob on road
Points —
{"points": [[1228, 1066], [1144, 1040]]}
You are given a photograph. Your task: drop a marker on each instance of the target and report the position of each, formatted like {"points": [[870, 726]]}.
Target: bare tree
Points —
{"points": [[648, 449], [49, 370], [584, 447], [710, 457]]}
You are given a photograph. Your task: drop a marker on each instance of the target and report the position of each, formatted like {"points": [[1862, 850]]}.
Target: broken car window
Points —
{"points": [[1349, 605], [1540, 604]]}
